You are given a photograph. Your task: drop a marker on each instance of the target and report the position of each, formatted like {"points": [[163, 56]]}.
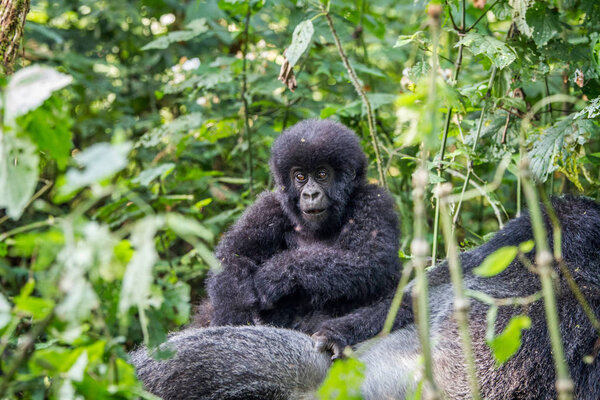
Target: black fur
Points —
{"points": [[530, 374], [393, 362], [280, 271]]}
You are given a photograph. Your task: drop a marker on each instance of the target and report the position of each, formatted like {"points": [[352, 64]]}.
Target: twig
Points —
{"points": [[359, 89], [482, 15], [457, 66], [461, 302], [247, 132]]}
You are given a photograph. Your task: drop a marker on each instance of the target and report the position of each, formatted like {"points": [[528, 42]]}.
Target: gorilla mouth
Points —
{"points": [[314, 211]]}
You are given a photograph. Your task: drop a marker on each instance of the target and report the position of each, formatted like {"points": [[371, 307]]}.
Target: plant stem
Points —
{"points": [[359, 89], [457, 66], [478, 132], [247, 132], [397, 300], [461, 302], [419, 251]]}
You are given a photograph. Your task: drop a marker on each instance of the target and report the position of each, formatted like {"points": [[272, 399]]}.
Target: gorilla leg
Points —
{"points": [[234, 363]]}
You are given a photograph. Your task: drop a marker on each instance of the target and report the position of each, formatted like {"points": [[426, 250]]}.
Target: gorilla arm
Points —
{"points": [[360, 267], [257, 235]]}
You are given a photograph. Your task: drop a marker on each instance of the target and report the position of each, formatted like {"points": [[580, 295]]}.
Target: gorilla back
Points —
{"points": [[270, 366], [241, 363]]}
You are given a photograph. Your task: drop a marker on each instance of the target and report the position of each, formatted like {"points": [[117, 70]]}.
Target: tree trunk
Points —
{"points": [[12, 21]]}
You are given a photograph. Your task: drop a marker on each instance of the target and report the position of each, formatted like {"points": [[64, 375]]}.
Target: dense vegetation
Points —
{"points": [[134, 133]]}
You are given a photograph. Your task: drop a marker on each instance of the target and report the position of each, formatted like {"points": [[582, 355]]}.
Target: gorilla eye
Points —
{"points": [[322, 174], [300, 177]]}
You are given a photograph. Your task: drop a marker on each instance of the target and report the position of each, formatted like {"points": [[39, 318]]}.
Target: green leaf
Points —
{"points": [[403, 40], [186, 227], [195, 28], [172, 131], [506, 344], [496, 262], [519, 13], [343, 380], [99, 162], [30, 87], [544, 23], [148, 175], [498, 52], [301, 39], [18, 173], [37, 307], [527, 246]]}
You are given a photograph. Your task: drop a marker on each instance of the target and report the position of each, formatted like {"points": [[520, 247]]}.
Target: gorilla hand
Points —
{"points": [[326, 341]]}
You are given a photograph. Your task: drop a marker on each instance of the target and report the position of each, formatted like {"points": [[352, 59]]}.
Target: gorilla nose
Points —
{"points": [[311, 195]]}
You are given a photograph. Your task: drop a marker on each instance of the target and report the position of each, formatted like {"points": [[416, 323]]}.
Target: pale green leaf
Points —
{"points": [[496, 262], [30, 87], [137, 280], [343, 380], [186, 227], [300, 41], [498, 52], [519, 13], [148, 175], [18, 173], [99, 161]]}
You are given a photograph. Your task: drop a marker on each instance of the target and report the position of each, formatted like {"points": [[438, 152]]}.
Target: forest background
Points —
{"points": [[135, 132]]}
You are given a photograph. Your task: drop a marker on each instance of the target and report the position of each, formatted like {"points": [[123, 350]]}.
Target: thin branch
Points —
{"points": [[359, 89], [482, 15]]}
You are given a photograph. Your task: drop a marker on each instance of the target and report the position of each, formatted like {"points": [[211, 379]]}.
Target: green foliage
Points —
{"points": [[123, 155], [343, 380], [506, 344], [497, 261]]}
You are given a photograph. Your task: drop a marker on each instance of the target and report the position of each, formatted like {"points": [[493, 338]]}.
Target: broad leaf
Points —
{"points": [[544, 23], [496, 262], [99, 162], [300, 41], [149, 175], [498, 52], [30, 87], [343, 380], [5, 311], [18, 173], [506, 344]]}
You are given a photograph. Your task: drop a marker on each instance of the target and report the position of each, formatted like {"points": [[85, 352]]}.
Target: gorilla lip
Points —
{"points": [[313, 212]]}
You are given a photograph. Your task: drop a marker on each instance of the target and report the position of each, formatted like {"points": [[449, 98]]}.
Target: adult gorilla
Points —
{"points": [[323, 244], [271, 363]]}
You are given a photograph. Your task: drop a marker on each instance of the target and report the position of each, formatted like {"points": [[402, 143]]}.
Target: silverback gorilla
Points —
{"points": [[323, 244], [264, 362]]}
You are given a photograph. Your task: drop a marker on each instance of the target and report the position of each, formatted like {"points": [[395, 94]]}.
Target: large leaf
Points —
{"points": [[5, 311], [506, 344], [18, 173], [172, 131], [498, 52], [195, 28], [300, 41], [519, 15], [544, 23], [556, 147], [99, 162], [30, 87]]}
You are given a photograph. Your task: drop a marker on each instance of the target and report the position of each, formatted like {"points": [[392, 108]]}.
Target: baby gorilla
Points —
{"points": [[322, 245]]}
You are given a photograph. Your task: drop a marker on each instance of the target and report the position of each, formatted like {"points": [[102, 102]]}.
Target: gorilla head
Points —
{"points": [[317, 165]]}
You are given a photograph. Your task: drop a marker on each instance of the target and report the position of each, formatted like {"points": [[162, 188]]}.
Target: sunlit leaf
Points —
{"points": [[5, 313], [496, 262], [300, 41], [527, 246], [30, 87], [148, 175]]}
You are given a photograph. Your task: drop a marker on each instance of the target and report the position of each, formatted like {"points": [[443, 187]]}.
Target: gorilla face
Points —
{"points": [[313, 186], [317, 166]]}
